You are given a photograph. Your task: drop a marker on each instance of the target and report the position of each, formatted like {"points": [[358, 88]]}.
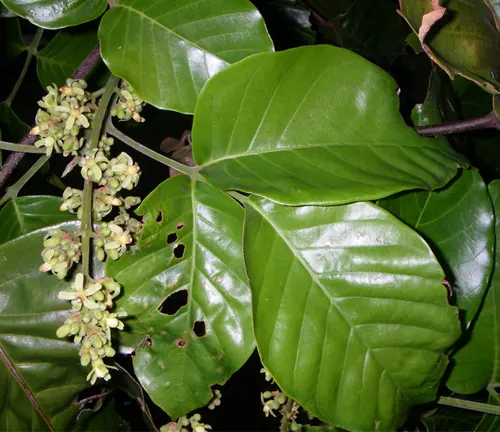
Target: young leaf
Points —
{"points": [[40, 375], [56, 14], [26, 214], [168, 49], [62, 55], [350, 315], [312, 125], [186, 291], [464, 42], [475, 365]]}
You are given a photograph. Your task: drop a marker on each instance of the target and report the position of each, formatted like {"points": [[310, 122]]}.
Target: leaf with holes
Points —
{"points": [[466, 41], [186, 291], [26, 214], [350, 315], [40, 375], [312, 125], [62, 55], [475, 365], [168, 49], [56, 14]]}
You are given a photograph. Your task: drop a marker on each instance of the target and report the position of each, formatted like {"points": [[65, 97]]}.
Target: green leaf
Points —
{"points": [[12, 39], [475, 365], [13, 128], [312, 125], [5, 13], [458, 224], [496, 7], [350, 315], [168, 49], [62, 55], [56, 14], [448, 419], [40, 375], [466, 41], [26, 214], [106, 419], [191, 245]]}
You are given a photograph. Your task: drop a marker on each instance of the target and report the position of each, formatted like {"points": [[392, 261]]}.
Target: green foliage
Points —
{"points": [[259, 230], [191, 243], [272, 140], [178, 45], [39, 374], [56, 14]]}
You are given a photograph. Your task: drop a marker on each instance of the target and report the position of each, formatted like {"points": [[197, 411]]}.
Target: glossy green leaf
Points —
{"points": [[26, 214], [312, 125], [475, 365], [62, 55], [350, 315], [466, 41], [55, 14], [458, 223], [168, 49], [191, 244], [40, 375], [13, 128]]}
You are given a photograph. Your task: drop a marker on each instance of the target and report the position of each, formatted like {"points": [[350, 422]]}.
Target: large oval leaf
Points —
{"points": [[62, 55], [350, 315], [26, 214], [312, 125], [191, 245], [55, 14], [40, 375], [465, 41], [475, 365], [168, 49]]}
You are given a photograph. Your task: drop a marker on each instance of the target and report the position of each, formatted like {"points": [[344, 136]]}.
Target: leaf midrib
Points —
{"points": [[155, 22], [28, 392], [315, 278], [313, 146]]}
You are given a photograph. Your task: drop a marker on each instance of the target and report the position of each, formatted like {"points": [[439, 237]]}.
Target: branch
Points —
{"points": [[490, 121], [15, 158]]}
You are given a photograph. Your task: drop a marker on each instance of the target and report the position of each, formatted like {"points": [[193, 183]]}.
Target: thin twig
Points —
{"points": [[112, 130], [469, 405], [13, 191], [490, 121], [4, 145], [15, 158], [94, 397]]}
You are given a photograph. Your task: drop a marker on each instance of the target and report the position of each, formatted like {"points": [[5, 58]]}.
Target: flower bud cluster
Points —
{"points": [[275, 400], [184, 424], [90, 323], [61, 250], [64, 113], [129, 105]]}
